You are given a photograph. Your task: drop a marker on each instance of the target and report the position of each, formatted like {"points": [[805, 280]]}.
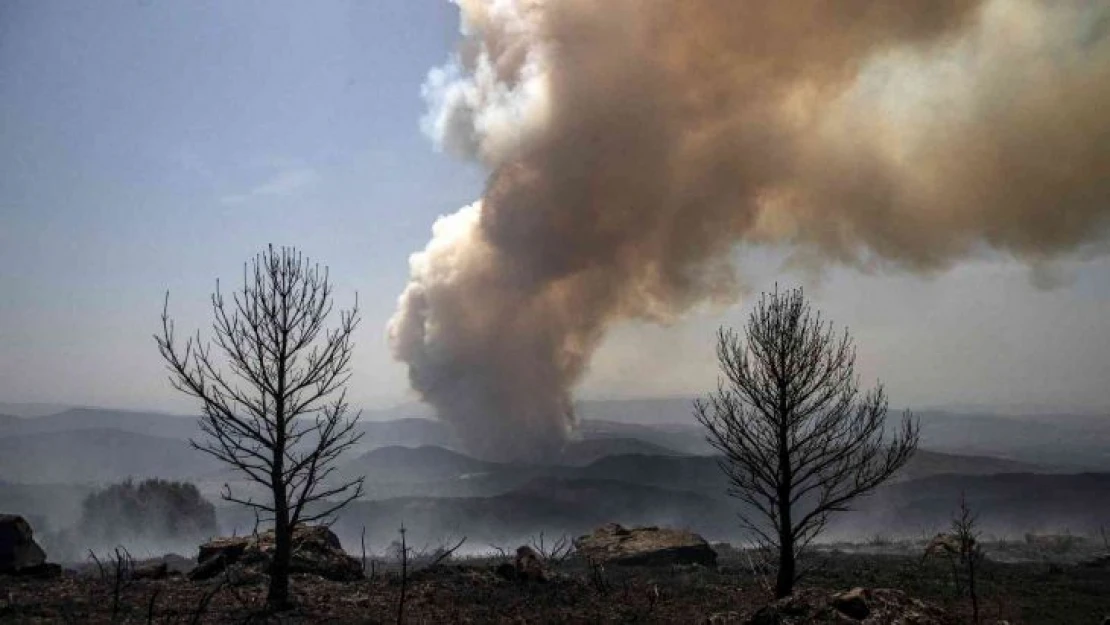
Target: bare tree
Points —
{"points": [[278, 411], [799, 441], [964, 524]]}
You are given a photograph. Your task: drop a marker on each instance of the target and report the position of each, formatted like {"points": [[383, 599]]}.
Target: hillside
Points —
{"points": [[702, 473], [685, 439], [1008, 504], [96, 455], [589, 450], [651, 411], [416, 464], [1066, 441], [9, 422], [146, 423], [406, 432], [551, 505], [24, 409]]}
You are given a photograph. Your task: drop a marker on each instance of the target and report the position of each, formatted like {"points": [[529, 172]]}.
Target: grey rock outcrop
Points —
{"points": [[19, 553], [315, 550], [645, 546]]}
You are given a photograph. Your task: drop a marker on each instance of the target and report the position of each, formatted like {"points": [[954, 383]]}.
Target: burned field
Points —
{"points": [[471, 590]]}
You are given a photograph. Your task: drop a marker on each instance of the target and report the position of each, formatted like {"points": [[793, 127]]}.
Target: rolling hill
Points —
{"points": [[95, 456], [1008, 505], [9, 422], [397, 464], [555, 506], [146, 423], [588, 450]]}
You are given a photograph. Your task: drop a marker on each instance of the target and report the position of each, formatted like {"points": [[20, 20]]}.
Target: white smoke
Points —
{"points": [[632, 145]]}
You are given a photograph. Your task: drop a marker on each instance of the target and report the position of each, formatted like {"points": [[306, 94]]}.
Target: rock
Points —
{"points": [[46, 570], [1098, 562], [859, 605], [528, 565], [315, 550], [158, 570], [852, 603], [506, 571], [645, 546], [19, 553]]}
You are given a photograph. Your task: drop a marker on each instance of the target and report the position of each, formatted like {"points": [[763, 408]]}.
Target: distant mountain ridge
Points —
{"points": [[1081, 442], [616, 471], [436, 472], [31, 410], [597, 440], [96, 455], [137, 422]]}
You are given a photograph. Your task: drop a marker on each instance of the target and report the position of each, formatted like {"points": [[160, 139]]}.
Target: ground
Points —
{"points": [[468, 591]]}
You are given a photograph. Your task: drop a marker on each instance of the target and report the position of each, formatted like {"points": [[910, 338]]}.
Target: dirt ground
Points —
{"points": [[469, 591]]}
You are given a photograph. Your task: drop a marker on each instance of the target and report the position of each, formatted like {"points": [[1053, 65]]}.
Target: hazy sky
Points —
{"points": [[153, 145]]}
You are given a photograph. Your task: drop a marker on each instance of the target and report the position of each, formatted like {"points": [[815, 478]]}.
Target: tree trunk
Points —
{"points": [[278, 597], [971, 587], [784, 585]]}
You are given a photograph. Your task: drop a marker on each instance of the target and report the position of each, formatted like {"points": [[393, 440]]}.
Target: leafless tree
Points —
{"points": [[799, 440], [964, 524], [278, 412]]}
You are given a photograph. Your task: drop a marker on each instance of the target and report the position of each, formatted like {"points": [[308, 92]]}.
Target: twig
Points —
{"points": [[362, 541], [243, 603], [447, 553], [150, 605], [404, 576], [99, 565], [597, 576], [121, 566], [504, 554], [202, 607]]}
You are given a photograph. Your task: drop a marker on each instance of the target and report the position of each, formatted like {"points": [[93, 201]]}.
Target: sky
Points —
{"points": [[150, 146]]}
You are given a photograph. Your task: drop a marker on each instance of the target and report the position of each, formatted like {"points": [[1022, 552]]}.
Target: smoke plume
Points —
{"points": [[634, 144]]}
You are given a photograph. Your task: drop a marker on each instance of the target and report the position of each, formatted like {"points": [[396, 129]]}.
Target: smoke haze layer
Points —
{"points": [[634, 145]]}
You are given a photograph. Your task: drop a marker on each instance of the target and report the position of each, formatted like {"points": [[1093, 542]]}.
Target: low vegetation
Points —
{"points": [[469, 590]]}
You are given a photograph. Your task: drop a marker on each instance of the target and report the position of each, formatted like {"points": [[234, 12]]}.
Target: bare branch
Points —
{"points": [[798, 442], [270, 365]]}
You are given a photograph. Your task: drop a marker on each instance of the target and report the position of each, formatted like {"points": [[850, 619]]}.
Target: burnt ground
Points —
{"points": [[469, 592]]}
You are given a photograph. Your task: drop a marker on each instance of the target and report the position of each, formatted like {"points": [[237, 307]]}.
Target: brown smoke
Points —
{"points": [[634, 144]]}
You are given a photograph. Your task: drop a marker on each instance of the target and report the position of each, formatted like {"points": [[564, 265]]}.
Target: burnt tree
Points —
{"points": [[274, 394], [799, 441]]}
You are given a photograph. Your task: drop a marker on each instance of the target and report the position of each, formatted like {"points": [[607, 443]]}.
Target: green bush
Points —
{"points": [[155, 510]]}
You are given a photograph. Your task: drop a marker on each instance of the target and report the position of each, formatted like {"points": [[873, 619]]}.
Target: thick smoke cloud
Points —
{"points": [[633, 145]]}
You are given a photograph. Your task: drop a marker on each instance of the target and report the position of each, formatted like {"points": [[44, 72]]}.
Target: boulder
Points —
{"points": [[527, 566], [859, 605], [852, 603], [315, 550], [1098, 562], [19, 553], [155, 571], [645, 546]]}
